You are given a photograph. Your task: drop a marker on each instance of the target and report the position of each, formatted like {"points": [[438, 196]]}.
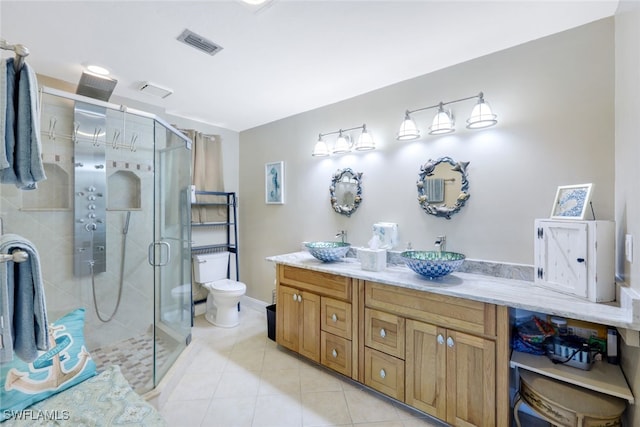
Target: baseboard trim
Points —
{"points": [[253, 303]]}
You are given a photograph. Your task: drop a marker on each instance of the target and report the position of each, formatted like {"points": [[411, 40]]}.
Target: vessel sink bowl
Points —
{"points": [[328, 251], [432, 264]]}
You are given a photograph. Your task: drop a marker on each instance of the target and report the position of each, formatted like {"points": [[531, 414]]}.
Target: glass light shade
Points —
{"points": [[365, 142], [442, 123], [481, 116], [408, 130], [342, 145], [320, 149]]}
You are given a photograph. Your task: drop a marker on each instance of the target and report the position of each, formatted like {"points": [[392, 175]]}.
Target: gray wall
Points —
{"points": [[627, 175], [555, 102]]}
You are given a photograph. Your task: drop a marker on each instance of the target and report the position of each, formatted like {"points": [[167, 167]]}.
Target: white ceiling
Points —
{"points": [[286, 58]]}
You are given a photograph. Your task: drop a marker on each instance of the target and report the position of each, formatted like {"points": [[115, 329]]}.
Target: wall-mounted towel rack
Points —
{"points": [[16, 256], [20, 50]]}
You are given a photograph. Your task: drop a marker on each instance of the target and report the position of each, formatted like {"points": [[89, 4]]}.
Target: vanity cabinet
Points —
{"points": [[451, 348], [315, 317], [450, 374], [446, 356], [298, 325]]}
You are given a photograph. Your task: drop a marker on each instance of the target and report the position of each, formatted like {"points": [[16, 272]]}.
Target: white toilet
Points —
{"points": [[210, 270]]}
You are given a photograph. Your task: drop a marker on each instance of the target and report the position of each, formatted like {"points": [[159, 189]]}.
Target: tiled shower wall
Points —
{"points": [[45, 217]]}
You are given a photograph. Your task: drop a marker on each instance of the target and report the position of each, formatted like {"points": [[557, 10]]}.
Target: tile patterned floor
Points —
{"points": [[135, 358], [239, 378]]}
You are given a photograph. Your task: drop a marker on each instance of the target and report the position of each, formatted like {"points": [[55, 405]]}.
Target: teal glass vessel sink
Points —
{"points": [[432, 264], [328, 251]]}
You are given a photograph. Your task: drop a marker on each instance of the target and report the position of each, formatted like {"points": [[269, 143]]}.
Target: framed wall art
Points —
{"points": [[571, 201], [274, 183]]}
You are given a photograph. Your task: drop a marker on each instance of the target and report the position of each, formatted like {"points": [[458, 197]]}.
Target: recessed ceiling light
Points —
{"points": [[96, 69]]}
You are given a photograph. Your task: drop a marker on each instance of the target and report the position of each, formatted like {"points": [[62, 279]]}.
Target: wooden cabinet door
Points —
{"points": [[471, 380], [561, 256], [309, 326], [287, 318], [426, 368]]}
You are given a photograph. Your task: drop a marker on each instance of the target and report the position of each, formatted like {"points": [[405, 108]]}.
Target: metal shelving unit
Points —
{"points": [[230, 225]]}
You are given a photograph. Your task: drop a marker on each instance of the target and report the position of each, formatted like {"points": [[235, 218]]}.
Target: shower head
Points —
{"points": [[96, 86]]}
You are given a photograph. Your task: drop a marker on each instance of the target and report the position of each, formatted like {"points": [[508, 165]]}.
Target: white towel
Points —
{"points": [[22, 306]]}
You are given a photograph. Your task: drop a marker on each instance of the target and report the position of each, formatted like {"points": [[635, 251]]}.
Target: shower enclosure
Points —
{"points": [[112, 227]]}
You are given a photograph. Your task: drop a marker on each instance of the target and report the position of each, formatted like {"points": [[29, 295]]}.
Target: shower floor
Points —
{"points": [[135, 358]]}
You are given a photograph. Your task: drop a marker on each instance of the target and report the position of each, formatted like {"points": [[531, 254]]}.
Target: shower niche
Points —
{"points": [[123, 191], [54, 192]]}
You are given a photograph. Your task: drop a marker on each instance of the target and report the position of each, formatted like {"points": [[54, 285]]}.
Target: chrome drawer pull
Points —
{"points": [[334, 318], [383, 333], [334, 353], [382, 373], [440, 339], [450, 342]]}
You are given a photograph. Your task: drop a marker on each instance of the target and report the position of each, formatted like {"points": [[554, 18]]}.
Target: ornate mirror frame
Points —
{"points": [[338, 177], [427, 171]]}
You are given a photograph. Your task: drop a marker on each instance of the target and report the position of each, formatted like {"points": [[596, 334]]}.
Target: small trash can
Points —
{"points": [[271, 322]]}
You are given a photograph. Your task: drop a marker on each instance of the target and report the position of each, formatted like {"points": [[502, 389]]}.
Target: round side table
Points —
{"points": [[564, 404]]}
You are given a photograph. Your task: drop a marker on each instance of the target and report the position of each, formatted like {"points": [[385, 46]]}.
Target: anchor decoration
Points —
{"points": [[50, 362]]}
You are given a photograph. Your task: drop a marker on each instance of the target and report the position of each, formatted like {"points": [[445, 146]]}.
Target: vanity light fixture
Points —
{"points": [[344, 144], [443, 122]]}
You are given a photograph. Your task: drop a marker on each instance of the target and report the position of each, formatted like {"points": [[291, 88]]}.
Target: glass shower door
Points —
{"points": [[170, 253]]}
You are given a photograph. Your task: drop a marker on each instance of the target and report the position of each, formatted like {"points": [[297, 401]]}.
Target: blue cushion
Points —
{"points": [[66, 364]]}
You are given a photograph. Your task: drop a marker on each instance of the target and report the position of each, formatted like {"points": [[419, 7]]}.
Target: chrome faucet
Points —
{"points": [[441, 243], [343, 235]]}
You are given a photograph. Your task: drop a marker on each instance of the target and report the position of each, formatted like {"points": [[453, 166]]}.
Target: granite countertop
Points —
{"points": [[514, 293]]}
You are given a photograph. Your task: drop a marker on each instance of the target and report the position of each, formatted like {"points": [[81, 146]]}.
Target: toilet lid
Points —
{"points": [[228, 285]]}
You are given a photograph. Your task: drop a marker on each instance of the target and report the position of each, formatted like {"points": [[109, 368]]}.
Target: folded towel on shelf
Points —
{"points": [[22, 306], [22, 148]]}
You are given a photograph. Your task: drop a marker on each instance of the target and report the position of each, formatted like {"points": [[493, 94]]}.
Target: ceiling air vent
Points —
{"points": [[154, 89], [199, 42]]}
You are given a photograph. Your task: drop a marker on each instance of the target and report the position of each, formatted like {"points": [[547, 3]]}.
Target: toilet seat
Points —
{"points": [[179, 291], [226, 285]]}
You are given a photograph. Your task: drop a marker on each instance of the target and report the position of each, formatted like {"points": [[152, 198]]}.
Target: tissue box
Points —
{"points": [[387, 232], [372, 259]]}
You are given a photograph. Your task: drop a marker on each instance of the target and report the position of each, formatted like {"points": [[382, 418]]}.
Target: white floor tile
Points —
{"points": [[277, 411], [327, 408], [238, 377]]}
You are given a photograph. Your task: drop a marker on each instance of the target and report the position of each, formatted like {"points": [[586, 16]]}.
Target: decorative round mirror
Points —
{"points": [[346, 191], [443, 186]]}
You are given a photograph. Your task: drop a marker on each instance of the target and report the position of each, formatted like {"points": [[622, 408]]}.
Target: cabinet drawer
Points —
{"points": [[317, 282], [456, 313], [384, 332], [335, 353], [336, 317], [384, 373]]}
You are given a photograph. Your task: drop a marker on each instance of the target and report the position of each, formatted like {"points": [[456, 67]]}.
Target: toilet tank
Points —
{"points": [[210, 267]]}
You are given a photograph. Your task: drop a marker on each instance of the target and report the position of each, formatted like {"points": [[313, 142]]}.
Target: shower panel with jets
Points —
{"points": [[90, 184]]}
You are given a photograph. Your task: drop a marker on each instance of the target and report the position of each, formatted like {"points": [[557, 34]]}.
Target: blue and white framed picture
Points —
{"points": [[571, 201], [274, 183]]}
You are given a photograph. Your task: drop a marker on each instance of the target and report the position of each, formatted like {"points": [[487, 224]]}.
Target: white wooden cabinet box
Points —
{"points": [[576, 258]]}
